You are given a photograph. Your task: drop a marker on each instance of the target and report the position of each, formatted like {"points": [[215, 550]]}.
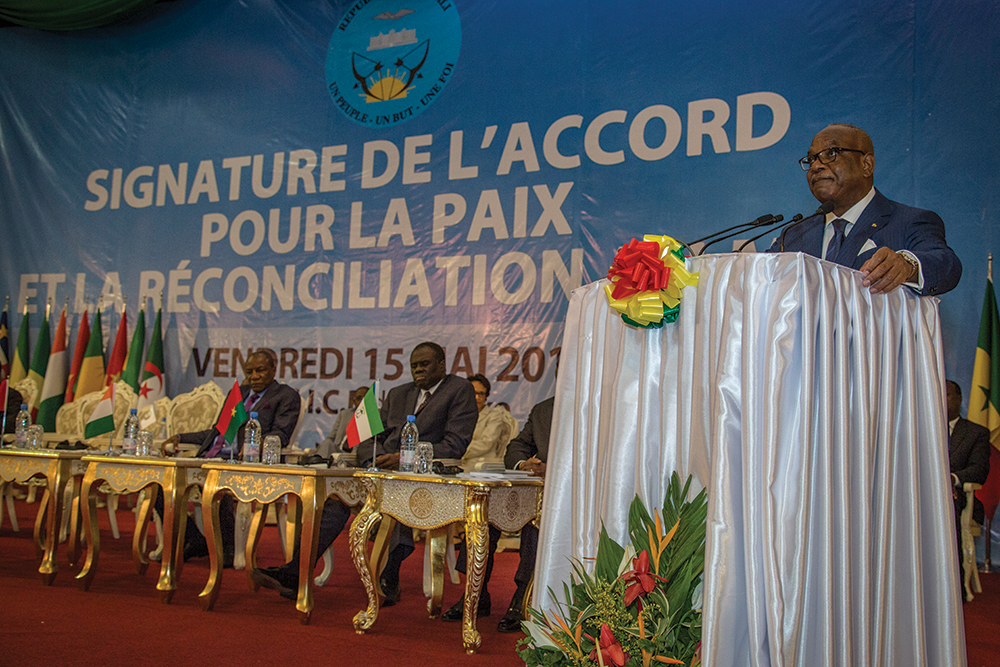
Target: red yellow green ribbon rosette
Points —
{"points": [[646, 281]]}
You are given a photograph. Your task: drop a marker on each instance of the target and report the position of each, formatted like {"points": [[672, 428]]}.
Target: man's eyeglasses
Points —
{"points": [[826, 156]]}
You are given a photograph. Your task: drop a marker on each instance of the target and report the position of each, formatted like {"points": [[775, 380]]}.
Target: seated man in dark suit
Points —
{"points": [[890, 243], [528, 451], [969, 457], [445, 409], [277, 407], [14, 400]]}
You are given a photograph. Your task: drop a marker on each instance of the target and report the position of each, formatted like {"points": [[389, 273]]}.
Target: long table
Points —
{"points": [[265, 484], [431, 503], [130, 474], [58, 467]]}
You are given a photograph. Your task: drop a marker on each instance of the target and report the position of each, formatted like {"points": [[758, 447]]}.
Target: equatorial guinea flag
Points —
{"points": [[366, 421], [53, 389]]}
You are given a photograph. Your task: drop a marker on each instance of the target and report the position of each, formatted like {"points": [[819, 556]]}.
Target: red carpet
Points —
{"points": [[120, 621]]}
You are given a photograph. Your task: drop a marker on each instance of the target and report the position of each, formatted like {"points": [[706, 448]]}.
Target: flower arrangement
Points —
{"points": [[641, 605], [646, 281]]}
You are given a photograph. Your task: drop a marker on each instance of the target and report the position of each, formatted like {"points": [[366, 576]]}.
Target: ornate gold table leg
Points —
{"points": [[170, 555], [57, 485], [210, 516], [307, 547], [365, 566], [477, 546], [39, 532], [73, 548], [90, 529], [250, 553], [139, 534], [437, 540]]}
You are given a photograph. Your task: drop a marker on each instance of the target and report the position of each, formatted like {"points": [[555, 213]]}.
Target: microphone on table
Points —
{"points": [[762, 220], [823, 209], [774, 219], [797, 218]]}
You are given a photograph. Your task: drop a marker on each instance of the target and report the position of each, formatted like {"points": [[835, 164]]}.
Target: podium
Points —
{"points": [[814, 414]]}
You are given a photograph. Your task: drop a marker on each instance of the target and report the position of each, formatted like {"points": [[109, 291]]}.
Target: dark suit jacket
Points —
{"points": [[277, 411], [969, 452], [447, 421], [891, 224], [533, 440], [14, 400]]}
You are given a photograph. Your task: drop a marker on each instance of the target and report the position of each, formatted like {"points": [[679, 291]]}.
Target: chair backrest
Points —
{"points": [[197, 410], [510, 425], [294, 439], [68, 420], [28, 390], [159, 409], [125, 400]]}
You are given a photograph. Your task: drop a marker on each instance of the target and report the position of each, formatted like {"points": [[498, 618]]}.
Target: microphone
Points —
{"points": [[773, 221], [823, 209], [762, 220], [794, 221]]}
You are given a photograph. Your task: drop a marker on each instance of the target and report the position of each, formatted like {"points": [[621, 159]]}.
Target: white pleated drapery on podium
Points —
{"points": [[813, 411]]}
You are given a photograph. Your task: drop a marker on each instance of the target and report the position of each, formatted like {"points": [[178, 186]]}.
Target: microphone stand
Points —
{"points": [[823, 209], [795, 218], [765, 219], [775, 220], [371, 466]]}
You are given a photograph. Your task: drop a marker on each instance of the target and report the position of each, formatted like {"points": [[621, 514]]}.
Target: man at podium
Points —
{"points": [[890, 243]]}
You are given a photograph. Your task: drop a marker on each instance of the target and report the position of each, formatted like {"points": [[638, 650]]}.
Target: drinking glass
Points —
{"points": [[35, 433], [272, 450], [144, 444]]}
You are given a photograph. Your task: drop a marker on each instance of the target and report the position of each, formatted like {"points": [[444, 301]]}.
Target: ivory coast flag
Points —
{"points": [[984, 397], [92, 369], [19, 368], [40, 362], [82, 339], [132, 364], [366, 421], [54, 387], [102, 420], [116, 362]]}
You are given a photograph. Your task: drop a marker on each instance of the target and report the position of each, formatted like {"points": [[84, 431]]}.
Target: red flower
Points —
{"points": [[611, 650], [638, 268], [639, 579]]}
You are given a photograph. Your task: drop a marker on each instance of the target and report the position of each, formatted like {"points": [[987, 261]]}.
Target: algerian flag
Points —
{"points": [[233, 414], [92, 369], [40, 362], [103, 418], [153, 387], [53, 390], [366, 421], [19, 369], [134, 360]]}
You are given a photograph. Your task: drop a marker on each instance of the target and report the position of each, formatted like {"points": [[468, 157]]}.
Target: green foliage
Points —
{"points": [[671, 612]]}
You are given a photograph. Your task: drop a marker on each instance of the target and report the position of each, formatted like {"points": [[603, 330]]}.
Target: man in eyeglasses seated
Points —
{"points": [[890, 243]]}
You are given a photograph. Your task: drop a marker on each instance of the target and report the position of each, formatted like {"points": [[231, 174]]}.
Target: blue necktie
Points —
{"points": [[838, 239]]}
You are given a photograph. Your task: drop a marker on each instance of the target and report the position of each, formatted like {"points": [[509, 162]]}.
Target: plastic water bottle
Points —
{"points": [[251, 440], [425, 457], [130, 433], [408, 439], [21, 424]]}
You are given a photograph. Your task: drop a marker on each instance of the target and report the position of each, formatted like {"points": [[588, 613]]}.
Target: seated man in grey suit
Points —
{"points": [[336, 441], [445, 409], [277, 407], [890, 243], [969, 459]]}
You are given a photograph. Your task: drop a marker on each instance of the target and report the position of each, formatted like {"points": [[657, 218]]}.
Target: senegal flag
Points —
{"points": [[984, 397]]}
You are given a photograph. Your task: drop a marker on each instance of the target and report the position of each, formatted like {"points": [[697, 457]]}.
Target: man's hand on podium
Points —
{"points": [[535, 467], [886, 270]]}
